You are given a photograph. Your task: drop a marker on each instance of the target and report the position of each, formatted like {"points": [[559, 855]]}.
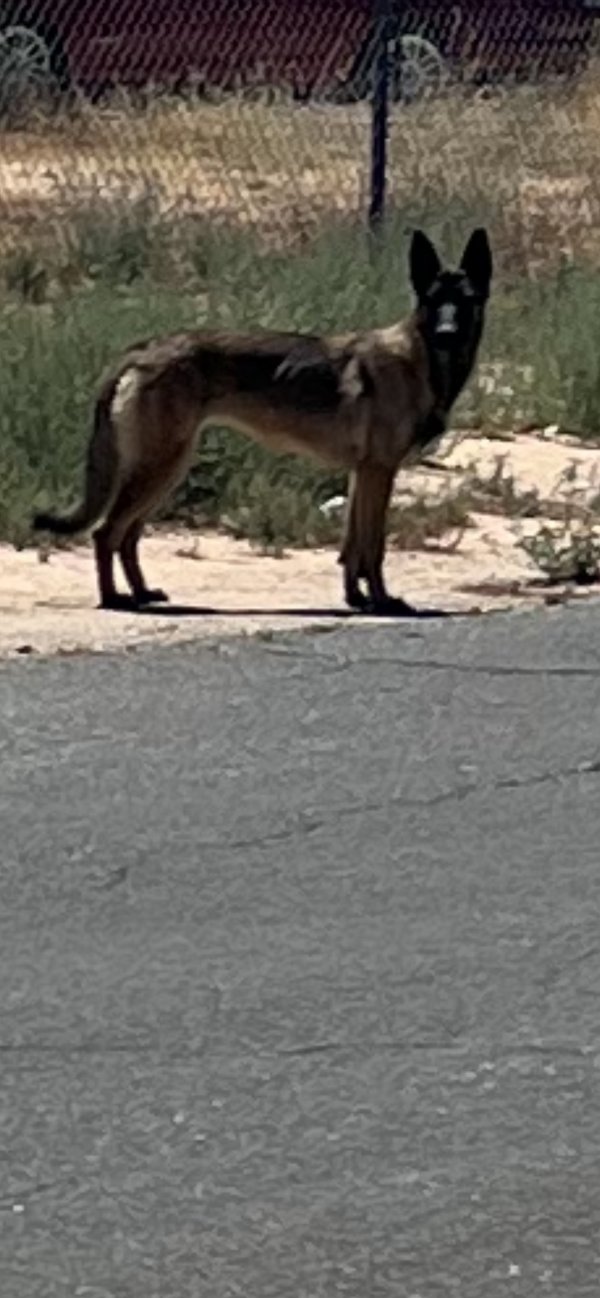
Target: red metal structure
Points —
{"points": [[313, 46]]}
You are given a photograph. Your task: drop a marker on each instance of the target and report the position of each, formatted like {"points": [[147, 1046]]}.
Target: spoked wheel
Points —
{"points": [[419, 70], [26, 72]]}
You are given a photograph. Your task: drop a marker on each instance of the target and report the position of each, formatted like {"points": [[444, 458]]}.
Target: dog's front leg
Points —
{"points": [[350, 556], [374, 488], [363, 549]]}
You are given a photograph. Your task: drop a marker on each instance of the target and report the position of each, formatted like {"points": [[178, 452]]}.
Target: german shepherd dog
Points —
{"points": [[362, 402]]}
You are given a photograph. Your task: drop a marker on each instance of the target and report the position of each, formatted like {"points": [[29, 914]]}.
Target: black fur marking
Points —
{"points": [[455, 296], [451, 354], [309, 378], [285, 370]]}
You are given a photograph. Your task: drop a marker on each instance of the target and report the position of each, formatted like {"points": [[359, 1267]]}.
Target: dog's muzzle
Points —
{"points": [[447, 320]]}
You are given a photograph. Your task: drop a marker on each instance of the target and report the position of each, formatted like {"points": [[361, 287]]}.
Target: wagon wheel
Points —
{"points": [[25, 65], [420, 70]]}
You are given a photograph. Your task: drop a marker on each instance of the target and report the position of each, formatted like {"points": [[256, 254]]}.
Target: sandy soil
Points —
{"points": [[223, 587]]}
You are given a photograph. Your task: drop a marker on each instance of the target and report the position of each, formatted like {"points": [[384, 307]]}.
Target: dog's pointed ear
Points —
{"points": [[425, 264], [477, 262]]}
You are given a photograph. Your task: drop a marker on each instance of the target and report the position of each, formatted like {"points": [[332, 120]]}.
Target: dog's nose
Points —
{"points": [[446, 319]]}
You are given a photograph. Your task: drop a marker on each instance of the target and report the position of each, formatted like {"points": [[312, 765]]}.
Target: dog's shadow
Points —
{"points": [[400, 612]]}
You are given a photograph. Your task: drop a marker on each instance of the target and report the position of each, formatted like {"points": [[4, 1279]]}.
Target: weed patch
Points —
{"points": [[571, 555]]}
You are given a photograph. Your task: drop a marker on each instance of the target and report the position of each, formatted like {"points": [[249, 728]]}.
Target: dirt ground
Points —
{"points": [[222, 587]]}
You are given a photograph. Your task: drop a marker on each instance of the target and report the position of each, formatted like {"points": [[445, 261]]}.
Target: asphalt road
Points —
{"points": [[300, 966]]}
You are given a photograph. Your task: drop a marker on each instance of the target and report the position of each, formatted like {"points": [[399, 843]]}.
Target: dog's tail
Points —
{"points": [[101, 475]]}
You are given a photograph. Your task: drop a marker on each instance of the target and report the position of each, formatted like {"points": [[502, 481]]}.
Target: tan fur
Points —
{"points": [[354, 402]]}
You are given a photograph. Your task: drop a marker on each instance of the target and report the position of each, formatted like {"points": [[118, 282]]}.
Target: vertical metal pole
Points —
{"points": [[379, 120]]}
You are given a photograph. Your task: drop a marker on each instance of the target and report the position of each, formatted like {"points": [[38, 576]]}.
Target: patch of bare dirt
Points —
{"points": [[223, 587]]}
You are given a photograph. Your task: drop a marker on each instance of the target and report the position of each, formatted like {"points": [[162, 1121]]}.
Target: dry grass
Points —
{"points": [[499, 493], [423, 523], [527, 160]]}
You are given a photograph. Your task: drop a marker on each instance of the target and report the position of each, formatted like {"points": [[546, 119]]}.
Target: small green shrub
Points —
{"points": [[570, 555]]}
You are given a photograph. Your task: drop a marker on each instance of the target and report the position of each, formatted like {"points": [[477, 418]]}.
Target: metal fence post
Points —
{"points": [[379, 119]]}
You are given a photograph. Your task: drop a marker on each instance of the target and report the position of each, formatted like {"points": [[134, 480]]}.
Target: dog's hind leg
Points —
{"points": [[122, 530], [108, 540], [128, 554], [120, 535], [105, 565]]}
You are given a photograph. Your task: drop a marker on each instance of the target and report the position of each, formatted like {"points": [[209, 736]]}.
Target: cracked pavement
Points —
{"points": [[300, 965]]}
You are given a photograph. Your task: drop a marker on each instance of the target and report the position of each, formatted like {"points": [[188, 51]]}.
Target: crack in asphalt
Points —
{"points": [[321, 818], [493, 669], [455, 1042], [438, 664], [338, 1047], [305, 823]]}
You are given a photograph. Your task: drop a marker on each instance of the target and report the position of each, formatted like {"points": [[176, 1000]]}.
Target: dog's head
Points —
{"points": [[451, 303]]}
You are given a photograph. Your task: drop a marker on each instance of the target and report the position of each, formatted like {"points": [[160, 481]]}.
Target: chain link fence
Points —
{"points": [[257, 114], [169, 164]]}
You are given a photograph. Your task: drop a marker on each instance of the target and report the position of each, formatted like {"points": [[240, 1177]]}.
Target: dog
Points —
{"points": [[363, 402]]}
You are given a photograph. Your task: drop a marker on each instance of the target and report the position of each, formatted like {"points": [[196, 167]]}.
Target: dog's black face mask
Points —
{"points": [[450, 309]]}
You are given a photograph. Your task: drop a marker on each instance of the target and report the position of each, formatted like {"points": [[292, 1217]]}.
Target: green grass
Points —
{"points": [[123, 274], [545, 336]]}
